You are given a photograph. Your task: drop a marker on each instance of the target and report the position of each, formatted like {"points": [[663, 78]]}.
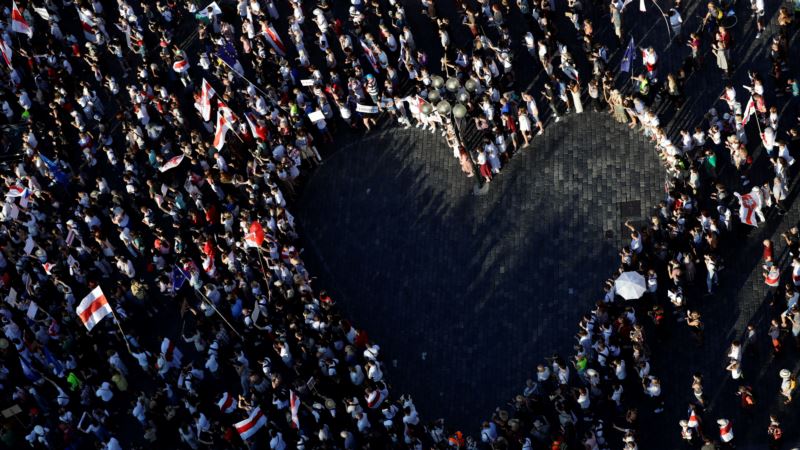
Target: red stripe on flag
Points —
{"points": [[96, 304]]}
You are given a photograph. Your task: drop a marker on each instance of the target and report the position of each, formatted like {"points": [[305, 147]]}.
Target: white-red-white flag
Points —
{"points": [[250, 426], [18, 22], [257, 130], [181, 66], [294, 404], [256, 236], [749, 110], [6, 51], [206, 94], [227, 403], [370, 56], [88, 24], [750, 206], [172, 163], [93, 308], [223, 126], [275, 40]]}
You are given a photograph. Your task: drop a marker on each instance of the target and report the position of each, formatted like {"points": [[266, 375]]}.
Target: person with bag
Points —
{"points": [[774, 432]]}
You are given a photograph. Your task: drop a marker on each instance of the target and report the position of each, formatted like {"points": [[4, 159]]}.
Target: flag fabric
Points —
{"points": [[250, 426], [181, 66], [18, 191], [294, 404], [627, 58], [53, 363], [227, 53], [18, 22], [88, 24], [223, 125], [93, 308], [48, 268], [275, 40], [256, 235], [227, 404], [642, 7], [370, 56], [257, 130], [749, 110], [55, 170], [172, 163], [178, 278], [27, 369], [206, 94], [750, 207], [6, 51]]}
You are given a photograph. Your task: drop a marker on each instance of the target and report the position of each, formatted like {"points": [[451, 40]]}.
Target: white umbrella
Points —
{"points": [[630, 285]]}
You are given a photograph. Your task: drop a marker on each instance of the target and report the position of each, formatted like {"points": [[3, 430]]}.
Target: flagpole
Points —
{"points": [[124, 336], [251, 83], [210, 303]]}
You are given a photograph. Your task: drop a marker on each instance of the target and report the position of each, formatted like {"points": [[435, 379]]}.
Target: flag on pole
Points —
{"points": [[178, 278], [275, 40], [294, 403], [227, 403], [627, 58], [5, 49], [93, 308], [223, 125], [749, 110], [370, 57], [18, 22], [256, 235], [206, 94], [172, 163], [250, 426]]}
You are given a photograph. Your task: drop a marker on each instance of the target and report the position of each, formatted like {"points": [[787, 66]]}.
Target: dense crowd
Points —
{"points": [[154, 286]]}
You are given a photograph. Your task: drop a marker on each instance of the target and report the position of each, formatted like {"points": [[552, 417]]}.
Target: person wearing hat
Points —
{"points": [[788, 385]]}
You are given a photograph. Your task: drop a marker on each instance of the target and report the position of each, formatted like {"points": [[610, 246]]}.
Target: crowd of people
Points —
{"points": [[152, 274]]}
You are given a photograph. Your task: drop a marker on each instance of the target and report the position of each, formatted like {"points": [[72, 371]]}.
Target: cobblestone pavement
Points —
{"points": [[467, 293]]}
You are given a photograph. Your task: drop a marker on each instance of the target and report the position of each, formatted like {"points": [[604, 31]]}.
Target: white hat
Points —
{"points": [[785, 373]]}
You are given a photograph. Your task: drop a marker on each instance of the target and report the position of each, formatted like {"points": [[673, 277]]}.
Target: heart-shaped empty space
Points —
{"points": [[466, 294]]}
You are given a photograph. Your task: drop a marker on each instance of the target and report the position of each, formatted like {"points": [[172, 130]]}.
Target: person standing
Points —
{"points": [[774, 432], [722, 50]]}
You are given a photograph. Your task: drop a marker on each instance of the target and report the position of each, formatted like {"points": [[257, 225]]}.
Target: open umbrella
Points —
{"points": [[630, 285]]}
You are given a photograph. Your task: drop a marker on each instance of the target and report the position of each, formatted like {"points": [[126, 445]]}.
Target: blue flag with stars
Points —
{"points": [[627, 58]]}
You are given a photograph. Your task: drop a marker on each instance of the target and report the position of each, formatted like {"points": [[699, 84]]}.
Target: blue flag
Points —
{"points": [[627, 58], [227, 52], [178, 278], [55, 170]]}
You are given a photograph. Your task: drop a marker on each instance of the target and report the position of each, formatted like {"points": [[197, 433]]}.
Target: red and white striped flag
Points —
{"points": [[87, 24], [275, 40], [223, 125], [749, 110], [173, 162], [181, 66], [294, 404], [250, 426], [93, 308], [257, 130], [750, 206], [256, 235], [227, 403], [206, 94], [5, 49], [370, 56], [18, 22]]}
